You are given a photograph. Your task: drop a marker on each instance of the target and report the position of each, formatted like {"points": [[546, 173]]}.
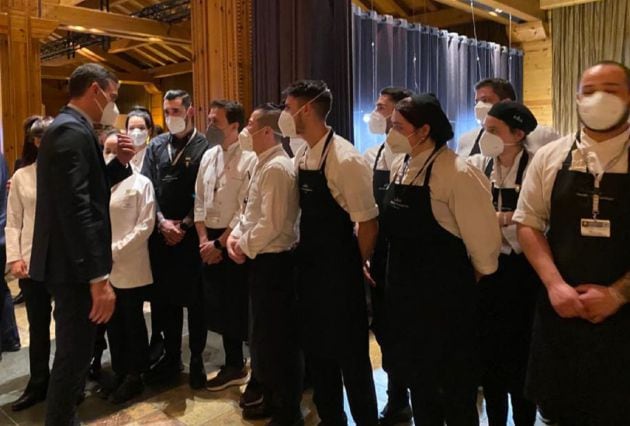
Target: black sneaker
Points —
{"points": [[156, 349], [257, 412], [391, 416], [197, 373], [227, 377], [131, 387], [253, 394]]}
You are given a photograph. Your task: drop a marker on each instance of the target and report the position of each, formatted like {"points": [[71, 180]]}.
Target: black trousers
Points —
{"points": [[436, 401], [233, 352], [75, 335], [276, 357], [127, 333], [329, 376], [173, 321], [38, 311]]}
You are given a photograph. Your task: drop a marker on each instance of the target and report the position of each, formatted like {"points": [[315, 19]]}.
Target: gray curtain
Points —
{"points": [[393, 52], [581, 36], [305, 39]]}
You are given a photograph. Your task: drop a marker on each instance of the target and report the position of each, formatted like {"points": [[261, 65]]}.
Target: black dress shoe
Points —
{"points": [[28, 399], [94, 373], [131, 387], [197, 374], [156, 349], [18, 299], [393, 415], [165, 370], [11, 347], [257, 412]]}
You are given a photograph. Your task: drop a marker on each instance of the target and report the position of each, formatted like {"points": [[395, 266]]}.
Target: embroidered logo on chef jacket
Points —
{"points": [[398, 203], [305, 188]]}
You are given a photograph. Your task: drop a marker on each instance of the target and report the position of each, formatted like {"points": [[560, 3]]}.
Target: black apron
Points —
{"points": [[226, 295], [331, 289], [176, 270], [380, 183], [476, 149], [573, 362], [430, 294], [507, 299]]}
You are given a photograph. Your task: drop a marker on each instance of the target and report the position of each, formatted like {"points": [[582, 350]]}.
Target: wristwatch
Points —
{"points": [[217, 244]]}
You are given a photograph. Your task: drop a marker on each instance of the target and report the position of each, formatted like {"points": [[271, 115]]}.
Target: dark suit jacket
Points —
{"points": [[72, 237]]}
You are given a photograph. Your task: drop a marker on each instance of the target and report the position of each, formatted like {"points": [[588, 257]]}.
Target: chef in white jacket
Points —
{"points": [[487, 93], [132, 211]]}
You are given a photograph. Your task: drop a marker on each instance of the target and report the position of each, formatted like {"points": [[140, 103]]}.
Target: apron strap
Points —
{"points": [[427, 174], [378, 156], [475, 149], [522, 165], [489, 167], [566, 164]]}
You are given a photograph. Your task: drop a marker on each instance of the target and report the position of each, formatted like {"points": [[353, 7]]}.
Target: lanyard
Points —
{"points": [[227, 166], [181, 151], [594, 167], [405, 165]]}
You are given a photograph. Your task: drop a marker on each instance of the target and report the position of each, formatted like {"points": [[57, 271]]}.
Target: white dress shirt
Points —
{"points": [[138, 159], [221, 186], [503, 177], [386, 159], [348, 175], [269, 223], [539, 137], [132, 213], [461, 202], [21, 214], [534, 203]]}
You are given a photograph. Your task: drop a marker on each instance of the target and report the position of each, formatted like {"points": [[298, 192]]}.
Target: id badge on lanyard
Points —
{"points": [[594, 227]]}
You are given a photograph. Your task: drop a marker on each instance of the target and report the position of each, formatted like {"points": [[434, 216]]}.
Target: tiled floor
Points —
{"points": [[174, 405]]}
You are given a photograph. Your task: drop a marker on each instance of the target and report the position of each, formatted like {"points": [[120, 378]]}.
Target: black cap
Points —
{"points": [[514, 114], [426, 109]]}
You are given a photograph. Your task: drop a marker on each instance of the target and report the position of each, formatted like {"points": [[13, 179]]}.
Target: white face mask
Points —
{"points": [[377, 123], [110, 113], [246, 140], [601, 111], [286, 121], [492, 145], [176, 125], [139, 137], [399, 143], [296, 144], [481, 110]]}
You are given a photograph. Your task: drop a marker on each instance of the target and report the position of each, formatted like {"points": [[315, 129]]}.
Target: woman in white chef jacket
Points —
{"points": [[507, 297], [132, 213], [19, 241]]}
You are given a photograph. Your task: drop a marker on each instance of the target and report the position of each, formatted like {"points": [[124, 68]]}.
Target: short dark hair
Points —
{"points": [[307, 90], [142, 112], [171, 95], [34, 127], [501, 87], [84, 75], [269, 116], [623, 67], [234, 111], [424, 109], [396, 93]]}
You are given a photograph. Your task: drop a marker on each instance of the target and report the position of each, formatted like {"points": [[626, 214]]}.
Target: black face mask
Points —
{"points": [[214, 135]]}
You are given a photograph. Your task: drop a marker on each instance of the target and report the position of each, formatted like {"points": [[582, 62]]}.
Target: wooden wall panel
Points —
{"points": [[537, 73], [222, 50]]}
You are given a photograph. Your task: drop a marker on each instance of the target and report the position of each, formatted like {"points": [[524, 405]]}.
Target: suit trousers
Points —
{"points": [[75, 335]]}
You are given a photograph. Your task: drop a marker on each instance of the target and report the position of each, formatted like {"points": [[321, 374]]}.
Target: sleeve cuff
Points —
{"points": [[365, 215], [242, 243], [529, 220], [234, 222], [99, 279]]}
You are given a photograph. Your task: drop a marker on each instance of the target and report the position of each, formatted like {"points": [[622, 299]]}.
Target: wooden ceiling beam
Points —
{"points": [[92, 21], [171, 70], [456, 4], [124, 44], [552, 4], [443, 18], [527, 10], [530, 31], [61, 73]]}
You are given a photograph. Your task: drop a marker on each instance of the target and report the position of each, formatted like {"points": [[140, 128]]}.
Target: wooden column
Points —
{"points": [[537, 75], [20, 71], [222, 53]]}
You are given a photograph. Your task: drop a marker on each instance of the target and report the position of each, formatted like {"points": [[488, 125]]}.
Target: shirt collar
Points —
{"points": [[267, 154], [83, 113], [318, 148], [619, 139]]}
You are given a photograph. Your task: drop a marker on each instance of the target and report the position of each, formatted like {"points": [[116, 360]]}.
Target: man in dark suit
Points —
{"points": [[72, 237]]}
